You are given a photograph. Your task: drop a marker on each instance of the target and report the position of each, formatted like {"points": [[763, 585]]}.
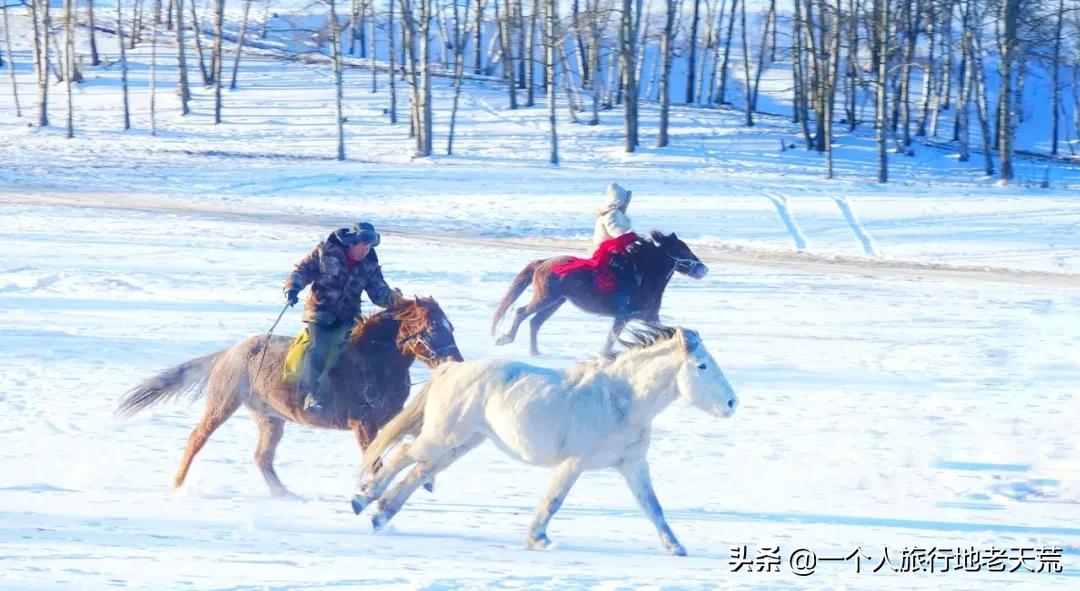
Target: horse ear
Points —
{"points": [[657, 236], [689, 339]]}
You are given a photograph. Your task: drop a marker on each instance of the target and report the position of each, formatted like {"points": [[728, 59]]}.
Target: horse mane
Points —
{"points": [[641, 336], [407, 311]]}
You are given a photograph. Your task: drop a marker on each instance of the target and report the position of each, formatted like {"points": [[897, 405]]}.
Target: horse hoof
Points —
{"points": [[540, 542], [503, 340], [379, 520], [676, 550], [358, 504], [429, 486]]}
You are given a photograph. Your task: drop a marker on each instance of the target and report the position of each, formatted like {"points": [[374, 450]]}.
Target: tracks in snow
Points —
{"points": [[714, 255]]}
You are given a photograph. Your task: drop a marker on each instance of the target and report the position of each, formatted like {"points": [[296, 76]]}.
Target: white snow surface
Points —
{"points": [[909, 380]]}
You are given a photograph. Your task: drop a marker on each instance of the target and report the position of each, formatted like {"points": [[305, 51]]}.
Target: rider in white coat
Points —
{"points": [[612, 221]]}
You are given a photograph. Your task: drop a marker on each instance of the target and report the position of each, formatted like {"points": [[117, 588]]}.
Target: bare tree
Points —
{"points": [[530, 55], [881, 59], [507, 43], [627, 40], [672, 6], [747, 88], [391, 50], [721, 91], [240, 43], [39, 14], [478, 41], [153, 66], [69, 62], [460, 33], [335, 53], [693, 43], [95, 60], [11, 64], [982, 108], [196, 30], [216, 58], [182, 88], [1010, 16], [550, 75], [123, 63], [1055, 101]]}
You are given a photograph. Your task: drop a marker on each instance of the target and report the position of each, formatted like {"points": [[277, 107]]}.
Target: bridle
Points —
{"points": [[417, 340]]}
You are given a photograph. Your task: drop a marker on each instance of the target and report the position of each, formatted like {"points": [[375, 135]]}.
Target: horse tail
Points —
{"points": [[189, 377], [516, 289], [406, 422]]}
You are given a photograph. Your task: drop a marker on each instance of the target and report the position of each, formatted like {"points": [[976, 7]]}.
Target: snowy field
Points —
{"points": [[908, 381]]}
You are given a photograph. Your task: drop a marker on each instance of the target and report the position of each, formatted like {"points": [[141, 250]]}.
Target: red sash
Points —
{"points": [[599, 264]]}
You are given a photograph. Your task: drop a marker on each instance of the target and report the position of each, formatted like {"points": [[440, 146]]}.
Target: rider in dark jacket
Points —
{"points": [[338, 269]]}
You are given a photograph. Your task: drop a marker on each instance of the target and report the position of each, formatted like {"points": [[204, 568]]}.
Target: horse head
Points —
{"points": [[424, 331], [700, 381], [686, 262]]}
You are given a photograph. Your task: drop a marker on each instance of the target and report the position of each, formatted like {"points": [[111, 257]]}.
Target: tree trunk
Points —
{"points": [[747, 87], [928, 73], [982, 107], [881, 9], [219, 25], [39, 13], [550, 75], [69, 62], [461, 26], [1009, 15], [761, 58], [1055, 100], [240, 44], [391, 51], [507, 43], [665, 70], [722, 88], [628, 36], [196, 29], [182, 88], [339, 85], [123, 64], [11, 64], [530, 56], [692, 41], [95, 59], [478, 40], [153, 66]]}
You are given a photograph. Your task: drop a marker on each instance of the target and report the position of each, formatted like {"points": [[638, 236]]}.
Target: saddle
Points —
{"points": [[294, 358], [600, 265]]}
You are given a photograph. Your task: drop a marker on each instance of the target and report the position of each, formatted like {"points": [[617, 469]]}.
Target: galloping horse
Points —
{"points": [[365, 388], [657, 260], [595, 415]]}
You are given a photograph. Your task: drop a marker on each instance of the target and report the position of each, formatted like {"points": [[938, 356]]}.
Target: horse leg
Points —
{"points": [[566, 474], [539, 302], [216, 413], [538, 321], [391, 465], [616, 328], [271, 429], [363, 439], [424, 470], [637, 477]]}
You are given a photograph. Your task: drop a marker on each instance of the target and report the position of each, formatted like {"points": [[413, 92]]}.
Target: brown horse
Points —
{"points": [[365, 388], [656, 261]]}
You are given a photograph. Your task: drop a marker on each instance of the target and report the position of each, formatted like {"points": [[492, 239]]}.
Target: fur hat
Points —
{"points": [[617, 198], [359, 233]]}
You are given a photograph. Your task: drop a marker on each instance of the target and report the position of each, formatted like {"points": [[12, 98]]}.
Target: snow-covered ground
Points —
{"points": [[878, 409]]}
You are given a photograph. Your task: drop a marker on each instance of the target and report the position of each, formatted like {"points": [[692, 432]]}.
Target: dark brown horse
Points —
{"points": [[656, 261], [365, 388]]}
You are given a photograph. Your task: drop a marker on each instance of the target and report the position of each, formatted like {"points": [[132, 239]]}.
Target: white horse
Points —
{"points": [[596, 414]]}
